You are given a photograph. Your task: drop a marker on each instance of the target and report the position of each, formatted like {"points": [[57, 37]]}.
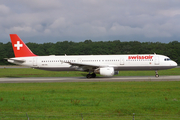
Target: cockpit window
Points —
{"points": [[167, 59]]}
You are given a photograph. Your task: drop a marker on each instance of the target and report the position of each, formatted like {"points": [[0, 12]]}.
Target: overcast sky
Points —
{"points": [[99, 20]]}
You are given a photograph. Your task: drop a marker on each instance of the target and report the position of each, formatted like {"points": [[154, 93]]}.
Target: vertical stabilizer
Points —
{"points": [[19, 47]]}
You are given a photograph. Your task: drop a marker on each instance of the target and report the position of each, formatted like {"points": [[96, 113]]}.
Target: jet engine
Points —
{"points": [[107, 71]]}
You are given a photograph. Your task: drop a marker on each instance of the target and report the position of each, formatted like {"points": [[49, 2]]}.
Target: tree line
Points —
{"points": [[171, 49]]}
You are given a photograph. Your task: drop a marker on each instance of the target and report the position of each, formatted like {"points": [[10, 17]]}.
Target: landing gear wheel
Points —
{"points": [[156, 75], [93, 75], [88, 76]]}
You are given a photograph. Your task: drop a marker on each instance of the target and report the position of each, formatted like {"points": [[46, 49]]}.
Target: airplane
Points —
{"points": [[105, 65]]}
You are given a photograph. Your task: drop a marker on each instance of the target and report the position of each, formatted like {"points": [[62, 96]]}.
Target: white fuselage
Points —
{"points": [[118, 62]]}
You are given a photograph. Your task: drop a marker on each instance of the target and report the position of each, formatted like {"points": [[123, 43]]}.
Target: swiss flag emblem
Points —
{"points": [[18, 45]]}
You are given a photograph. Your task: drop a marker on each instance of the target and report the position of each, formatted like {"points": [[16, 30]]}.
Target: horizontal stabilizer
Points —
{"points": [[15, 60]]}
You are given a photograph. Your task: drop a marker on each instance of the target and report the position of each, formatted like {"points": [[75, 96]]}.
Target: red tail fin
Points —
{"points": [[19, 47]]}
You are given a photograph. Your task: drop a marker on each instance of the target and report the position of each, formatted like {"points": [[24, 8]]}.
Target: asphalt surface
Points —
{"points": [[83, 79], [13, 66]]}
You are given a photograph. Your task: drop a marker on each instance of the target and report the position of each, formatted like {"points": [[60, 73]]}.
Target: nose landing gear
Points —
{"points": [[157, 75]]}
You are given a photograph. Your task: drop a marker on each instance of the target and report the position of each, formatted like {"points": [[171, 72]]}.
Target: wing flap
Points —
{"points": [[84, 64]]}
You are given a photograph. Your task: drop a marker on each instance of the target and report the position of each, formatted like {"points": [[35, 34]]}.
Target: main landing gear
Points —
{"points": [[157, 75], [93, 75]]}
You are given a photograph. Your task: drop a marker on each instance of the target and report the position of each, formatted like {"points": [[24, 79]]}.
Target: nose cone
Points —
{"points": [[174, 64]]}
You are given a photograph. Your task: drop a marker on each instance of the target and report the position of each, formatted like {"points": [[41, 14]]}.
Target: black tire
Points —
{"points": [[156, 75], [93, 75], [88, 76]]}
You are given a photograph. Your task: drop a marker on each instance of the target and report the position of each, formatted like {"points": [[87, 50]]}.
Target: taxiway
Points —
{"points": [[83, 79]]}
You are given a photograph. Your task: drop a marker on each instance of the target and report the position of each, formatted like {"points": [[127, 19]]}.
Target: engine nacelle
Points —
{"points": [[106, 71]]}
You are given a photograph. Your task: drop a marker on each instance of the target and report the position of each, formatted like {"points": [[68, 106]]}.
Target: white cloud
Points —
{"points": [[4, 10], [59, 23], [169, 13], [21, 29], [41, 4], [152, 31]]}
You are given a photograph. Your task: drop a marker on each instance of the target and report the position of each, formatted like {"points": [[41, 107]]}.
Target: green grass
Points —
{"points": [[29, 72], [94, 100]]}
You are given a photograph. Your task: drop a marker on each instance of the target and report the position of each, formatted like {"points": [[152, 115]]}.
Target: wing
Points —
{"points": [[86, 66]]}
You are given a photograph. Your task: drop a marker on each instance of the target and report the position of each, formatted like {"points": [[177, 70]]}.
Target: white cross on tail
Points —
{"points": [[18, 45]]}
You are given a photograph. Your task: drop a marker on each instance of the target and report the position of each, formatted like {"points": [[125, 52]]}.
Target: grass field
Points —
{"points": [[90, 100], [29, 72], [94, 100]]}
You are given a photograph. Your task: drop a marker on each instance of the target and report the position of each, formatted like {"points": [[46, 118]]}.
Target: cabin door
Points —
{"points": [[121, 61], [156, 60], [34, 61], [79, 60]]}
